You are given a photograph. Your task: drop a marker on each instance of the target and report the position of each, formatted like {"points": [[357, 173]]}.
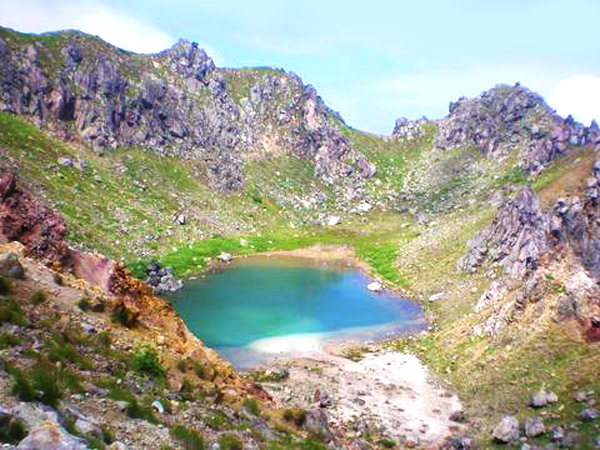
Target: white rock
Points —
{"points": [[436, 297], [364, 207], [333, 221], [225, 257], [243, 243], [375, 286]]}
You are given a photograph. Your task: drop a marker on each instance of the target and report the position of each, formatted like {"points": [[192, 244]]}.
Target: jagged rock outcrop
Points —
{"points": [[521, 239], [506, 117], [516, 239], [408, 129], [174, 102]]}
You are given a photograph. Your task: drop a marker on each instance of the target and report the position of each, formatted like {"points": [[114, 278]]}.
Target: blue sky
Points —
{"points": [[372, 61]]}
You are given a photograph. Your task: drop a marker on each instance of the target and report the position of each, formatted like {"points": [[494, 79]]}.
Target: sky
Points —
{"points": [[372, 61]]}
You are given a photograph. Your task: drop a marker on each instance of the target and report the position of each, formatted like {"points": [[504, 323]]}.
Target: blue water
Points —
{"points": [[235, 308]]}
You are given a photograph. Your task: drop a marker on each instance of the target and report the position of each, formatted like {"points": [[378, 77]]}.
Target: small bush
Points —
{"points": [[230, 442], [190, 439], [147, 362], [38, 297], [60, 350], [10, 312], [252, 406], [5, 286], [12, 432], [83, 304], [21, 386], [124, 316], [8, 340], [218, 421], [387, 443], [182, 365], [44, 378], [311, 445], [134, 409], [104, 338], [296, 415], [108, 434]]}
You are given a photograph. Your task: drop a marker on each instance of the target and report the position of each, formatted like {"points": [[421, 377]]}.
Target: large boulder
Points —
{"points": [[507, 430], [51, 436], [316, 424]]}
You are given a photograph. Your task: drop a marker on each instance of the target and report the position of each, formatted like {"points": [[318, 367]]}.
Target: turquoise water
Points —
{"points": [[258, 301]]}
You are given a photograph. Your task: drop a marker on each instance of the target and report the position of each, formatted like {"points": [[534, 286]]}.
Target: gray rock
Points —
{"points": [[225, 257], [33, 415], [87, 426], [507, 430], [589, 414], [50, 436], [463, 443], [158, 407], [534, 426], [316, 424], [557, 433], [10, 266]]}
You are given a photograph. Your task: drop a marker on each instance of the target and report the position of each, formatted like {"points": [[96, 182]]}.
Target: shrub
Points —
{"points": [[5, 286], [190, 439], [21, 386], [134, 409], [44, 378], [12, 432], [108, 434], [83, 304], [38, 297], [252, 406], [218, 421], [230, 442], [10, 312], [104, 338], [147, 362], [8, 340], [60, 350], [124, 316], [387, 443], [296, 415]]}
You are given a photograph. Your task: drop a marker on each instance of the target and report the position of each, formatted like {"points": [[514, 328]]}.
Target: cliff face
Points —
{"points": [[174, 102], [549, 258]]}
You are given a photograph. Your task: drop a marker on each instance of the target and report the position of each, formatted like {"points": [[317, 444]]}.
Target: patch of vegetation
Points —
{"points": [[295, 415], [268, 376], [355, 354], [108, 434], [252, 405], [134, 408], [12, 432], [38, 297], [8, 340], [59, 349], [45, 378], [387, 443], [124, 317], [147, 362], [5, 286], [218, 421], [83, 304], [10, 312], [189, 439], [230, 442]]}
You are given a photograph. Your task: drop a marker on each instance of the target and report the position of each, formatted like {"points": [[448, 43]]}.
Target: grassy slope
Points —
{"points": [[143, 192]]}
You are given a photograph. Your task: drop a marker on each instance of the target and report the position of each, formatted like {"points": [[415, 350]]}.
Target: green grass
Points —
{"points": [[230, 442], [189, 439], [147, 362]]}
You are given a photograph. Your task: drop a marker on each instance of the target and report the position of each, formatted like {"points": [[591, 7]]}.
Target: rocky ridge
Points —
{"points": [[174, 102]]}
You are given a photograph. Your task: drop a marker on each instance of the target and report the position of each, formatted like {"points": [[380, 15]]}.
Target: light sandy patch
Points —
{"points": [[386, 391]]}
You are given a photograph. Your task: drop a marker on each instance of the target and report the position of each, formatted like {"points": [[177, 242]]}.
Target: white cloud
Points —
{"points": [[90, 16], [579, 96]]}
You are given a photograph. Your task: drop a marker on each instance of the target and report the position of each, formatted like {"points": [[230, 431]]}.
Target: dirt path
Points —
{"points": [[386, 391]]}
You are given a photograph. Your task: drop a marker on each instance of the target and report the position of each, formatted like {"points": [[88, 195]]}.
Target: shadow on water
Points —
{"points": [[261, 308]]}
